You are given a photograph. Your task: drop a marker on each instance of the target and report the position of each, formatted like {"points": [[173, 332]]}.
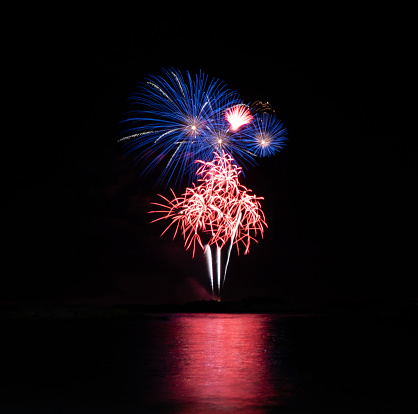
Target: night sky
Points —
{"points": [[338, 199]]}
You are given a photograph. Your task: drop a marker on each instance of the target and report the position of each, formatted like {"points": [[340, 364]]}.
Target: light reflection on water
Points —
{"points": [[219, 361], [200, 363]]}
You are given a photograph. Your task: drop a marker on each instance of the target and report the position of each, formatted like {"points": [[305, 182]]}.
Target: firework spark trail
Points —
{"points": [[218, 268], [208, 254]]}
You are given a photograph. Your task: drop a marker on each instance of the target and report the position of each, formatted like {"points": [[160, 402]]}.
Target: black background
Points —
{"points": [[339, 199]]}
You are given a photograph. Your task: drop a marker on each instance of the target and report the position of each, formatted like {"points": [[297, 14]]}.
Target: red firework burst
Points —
{"points": [[218, 206], [238, 116]]}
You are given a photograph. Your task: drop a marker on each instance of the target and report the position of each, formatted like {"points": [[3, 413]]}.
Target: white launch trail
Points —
{"points": [[218, 266], [208, 254]]}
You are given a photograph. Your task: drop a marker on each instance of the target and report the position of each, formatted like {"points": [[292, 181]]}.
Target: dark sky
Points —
{"points": [[338, 198]]}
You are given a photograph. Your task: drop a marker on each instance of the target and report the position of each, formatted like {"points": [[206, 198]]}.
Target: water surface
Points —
{"points": [[197, 363]]}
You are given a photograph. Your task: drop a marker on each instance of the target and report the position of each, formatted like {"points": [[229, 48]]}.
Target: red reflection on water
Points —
{"points": [[222, 360]]}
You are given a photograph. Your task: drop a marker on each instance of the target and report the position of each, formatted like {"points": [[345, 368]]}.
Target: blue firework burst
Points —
{"points": [[177, 121], [265, 135]]}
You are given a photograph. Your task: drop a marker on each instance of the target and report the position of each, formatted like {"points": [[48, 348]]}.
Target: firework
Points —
{"points": [[180, 119], [265, 136], [237, 116], [193, 127], [218, 206], [176, 122], [209, 263]]}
